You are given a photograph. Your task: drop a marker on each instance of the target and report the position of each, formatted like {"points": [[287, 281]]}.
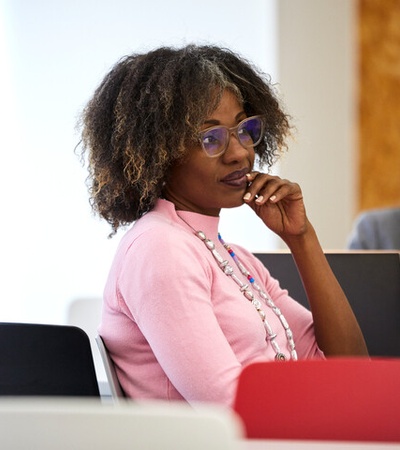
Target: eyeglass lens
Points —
{"points": [[248, 132]]}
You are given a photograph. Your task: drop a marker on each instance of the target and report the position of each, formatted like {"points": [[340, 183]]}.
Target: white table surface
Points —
{"points": [[255, 444]]}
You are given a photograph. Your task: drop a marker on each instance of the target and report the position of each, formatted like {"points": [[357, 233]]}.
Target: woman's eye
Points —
{"points": [[208, 140], [242, 132], [244, 135]]}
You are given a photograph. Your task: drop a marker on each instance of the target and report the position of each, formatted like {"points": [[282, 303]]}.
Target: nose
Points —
{"points": [[235, 150]]}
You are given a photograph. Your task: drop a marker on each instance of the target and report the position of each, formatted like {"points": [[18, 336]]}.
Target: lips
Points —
{"points": [[237, 178]]}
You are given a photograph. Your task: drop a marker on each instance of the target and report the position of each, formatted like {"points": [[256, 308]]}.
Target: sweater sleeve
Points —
{"points": [[166, 285]]}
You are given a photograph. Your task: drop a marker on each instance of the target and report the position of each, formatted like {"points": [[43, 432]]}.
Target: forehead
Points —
{"points": [[229, 104]]}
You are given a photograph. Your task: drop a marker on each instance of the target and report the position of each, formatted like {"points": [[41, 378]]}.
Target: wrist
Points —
{"points": [[302, 240]]}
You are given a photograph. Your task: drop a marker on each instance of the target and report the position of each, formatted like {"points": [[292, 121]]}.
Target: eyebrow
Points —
{"points": [[217, 122]]}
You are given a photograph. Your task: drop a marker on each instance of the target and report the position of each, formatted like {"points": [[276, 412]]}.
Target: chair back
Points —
{"points": [[46, 360], [371, 281], [113, 382], [341, 399]]}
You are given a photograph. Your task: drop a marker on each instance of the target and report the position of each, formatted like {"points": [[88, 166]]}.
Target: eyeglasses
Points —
{"points": [[249, 132]]}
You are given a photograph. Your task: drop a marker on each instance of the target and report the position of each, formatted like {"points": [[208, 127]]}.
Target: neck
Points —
{"points": [[182, 205]]}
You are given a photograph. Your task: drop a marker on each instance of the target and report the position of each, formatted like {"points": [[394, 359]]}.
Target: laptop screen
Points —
{"points": [[371, 281]]}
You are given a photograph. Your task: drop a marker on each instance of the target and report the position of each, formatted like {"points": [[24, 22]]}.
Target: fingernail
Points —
{"points": [[259, 199], [247, 196], [272, 198]]}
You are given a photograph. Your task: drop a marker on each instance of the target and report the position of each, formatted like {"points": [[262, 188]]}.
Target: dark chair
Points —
{"points": [[46, 360], [371, 281], [340, 399]]}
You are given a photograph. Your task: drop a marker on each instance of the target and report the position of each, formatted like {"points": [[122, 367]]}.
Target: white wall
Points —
{"points": [[53, 54], [317, 70]]}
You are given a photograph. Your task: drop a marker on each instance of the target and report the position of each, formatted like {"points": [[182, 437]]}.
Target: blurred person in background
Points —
{"points": [[377, 229]]}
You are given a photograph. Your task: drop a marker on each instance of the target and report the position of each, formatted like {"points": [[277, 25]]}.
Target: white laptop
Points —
{"points": [[41, 424]]}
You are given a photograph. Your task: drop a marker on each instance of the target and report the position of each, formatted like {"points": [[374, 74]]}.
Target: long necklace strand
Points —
{"points": [[248, 294], [267, 300]]}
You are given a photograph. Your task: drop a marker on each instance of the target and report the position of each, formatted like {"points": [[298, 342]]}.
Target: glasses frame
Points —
{"points": [[234, 131]]}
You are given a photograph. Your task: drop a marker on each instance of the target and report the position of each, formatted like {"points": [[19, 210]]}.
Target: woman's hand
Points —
{"points": [[279, 203]]}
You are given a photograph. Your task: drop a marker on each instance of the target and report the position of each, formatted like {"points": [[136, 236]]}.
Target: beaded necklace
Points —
{"points": [[248, 293]]}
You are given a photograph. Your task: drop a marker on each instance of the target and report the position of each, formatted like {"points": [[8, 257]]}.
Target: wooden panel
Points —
{"points": [[379, 103]]}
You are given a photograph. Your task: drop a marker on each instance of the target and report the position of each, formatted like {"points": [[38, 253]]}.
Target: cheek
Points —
{"points": [[199, 168], [200, 180], [197, 172], [192, 176]]}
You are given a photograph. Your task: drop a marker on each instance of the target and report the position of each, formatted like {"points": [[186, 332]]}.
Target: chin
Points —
{"points": [[234, 203]]}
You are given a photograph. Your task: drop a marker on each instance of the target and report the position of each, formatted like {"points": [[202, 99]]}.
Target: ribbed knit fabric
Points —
{"points": [[176, 326]]}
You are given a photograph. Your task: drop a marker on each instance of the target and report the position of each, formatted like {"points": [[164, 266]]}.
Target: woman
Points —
{"points": [[172, 137]]}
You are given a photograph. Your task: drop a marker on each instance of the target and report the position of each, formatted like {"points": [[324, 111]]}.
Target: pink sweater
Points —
{"points": [[176, 326]]}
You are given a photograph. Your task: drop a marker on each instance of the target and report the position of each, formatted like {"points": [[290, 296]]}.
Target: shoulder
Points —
{"points": [[160, 243], [379, 216], [376, 229], [158, 234], [380, 221]]}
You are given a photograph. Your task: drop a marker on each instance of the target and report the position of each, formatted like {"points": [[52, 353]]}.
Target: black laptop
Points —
{"points": [[371, 281]]}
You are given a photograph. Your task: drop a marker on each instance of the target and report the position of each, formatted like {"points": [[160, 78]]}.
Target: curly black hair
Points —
{"points": [[147, 112]]}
